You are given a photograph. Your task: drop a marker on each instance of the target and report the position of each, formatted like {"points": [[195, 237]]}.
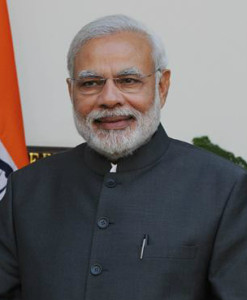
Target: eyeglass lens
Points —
{"points": [[128, 84]]}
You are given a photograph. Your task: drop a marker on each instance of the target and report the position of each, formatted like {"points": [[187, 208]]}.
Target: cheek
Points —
{"points": [[143, 102], [84, 107]]}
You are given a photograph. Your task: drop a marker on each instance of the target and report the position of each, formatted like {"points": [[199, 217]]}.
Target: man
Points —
{"points": [[131, 214]]}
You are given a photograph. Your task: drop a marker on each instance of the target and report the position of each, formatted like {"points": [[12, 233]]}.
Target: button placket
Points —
{"points": [[102, 224]]}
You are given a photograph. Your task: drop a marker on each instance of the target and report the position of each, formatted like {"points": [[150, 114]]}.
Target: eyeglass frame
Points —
{"points": [[102, 79]]}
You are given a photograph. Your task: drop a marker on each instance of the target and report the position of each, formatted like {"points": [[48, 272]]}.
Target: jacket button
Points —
{"points": [[111, 183], [96, 269], [103, 223]]}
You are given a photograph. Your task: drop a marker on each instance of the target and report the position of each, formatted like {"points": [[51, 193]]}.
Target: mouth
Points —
{"points": [[114, 122]]}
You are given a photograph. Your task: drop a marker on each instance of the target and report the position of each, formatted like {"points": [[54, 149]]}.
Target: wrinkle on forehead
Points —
{"points": [[114, 55]]}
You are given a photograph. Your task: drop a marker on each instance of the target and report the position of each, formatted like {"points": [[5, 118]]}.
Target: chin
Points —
{"points": [[115, 144]]}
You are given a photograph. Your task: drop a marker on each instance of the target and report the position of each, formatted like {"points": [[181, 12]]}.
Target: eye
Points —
{"points": [[90, 83], [129, 81]]}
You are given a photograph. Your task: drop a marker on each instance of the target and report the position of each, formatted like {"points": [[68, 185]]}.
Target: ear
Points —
{"points": [[69, 84], [164, 85]]}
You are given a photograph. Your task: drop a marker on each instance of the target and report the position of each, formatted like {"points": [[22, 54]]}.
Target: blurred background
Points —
{"points": [[206, 42]]}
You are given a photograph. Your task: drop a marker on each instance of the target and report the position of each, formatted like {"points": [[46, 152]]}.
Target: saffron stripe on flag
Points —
{"points": [[13, 152]]}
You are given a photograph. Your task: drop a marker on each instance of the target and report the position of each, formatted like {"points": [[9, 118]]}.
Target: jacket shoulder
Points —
{"points": [[60, 162], [199, 158]]}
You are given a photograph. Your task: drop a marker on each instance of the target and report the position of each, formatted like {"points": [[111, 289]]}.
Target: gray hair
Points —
{"points": [[112, 24]]}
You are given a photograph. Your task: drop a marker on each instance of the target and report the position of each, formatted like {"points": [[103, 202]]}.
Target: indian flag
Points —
{"points": [[13, 153]]}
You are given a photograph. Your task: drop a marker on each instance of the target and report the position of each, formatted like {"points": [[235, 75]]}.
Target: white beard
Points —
{"points": [[115, 144]]}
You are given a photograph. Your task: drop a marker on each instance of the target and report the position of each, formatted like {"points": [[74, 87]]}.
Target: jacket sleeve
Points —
{"points": [[9, 274], [228, 266]]}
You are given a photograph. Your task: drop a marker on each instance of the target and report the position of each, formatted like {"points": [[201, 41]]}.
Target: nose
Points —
{"points": [[110, 95]]}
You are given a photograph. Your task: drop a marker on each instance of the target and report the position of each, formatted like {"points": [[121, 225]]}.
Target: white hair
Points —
{"points": [[112, 24]]}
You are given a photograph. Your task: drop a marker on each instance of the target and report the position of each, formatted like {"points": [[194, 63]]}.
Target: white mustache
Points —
{"points": [[95, 115]]}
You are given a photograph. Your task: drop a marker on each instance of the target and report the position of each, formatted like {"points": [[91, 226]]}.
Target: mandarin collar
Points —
{"points": [[146, 155]]}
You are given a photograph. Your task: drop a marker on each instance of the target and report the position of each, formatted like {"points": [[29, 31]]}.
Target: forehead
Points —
{"points": [[110, 54]]}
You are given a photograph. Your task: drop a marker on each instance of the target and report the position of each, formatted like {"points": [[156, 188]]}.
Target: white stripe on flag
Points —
{"points": [[6, 165]]}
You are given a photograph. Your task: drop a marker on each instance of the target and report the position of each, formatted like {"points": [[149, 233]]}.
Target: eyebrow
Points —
{"points": [[130, 71], [88, 73], [124, 72]]}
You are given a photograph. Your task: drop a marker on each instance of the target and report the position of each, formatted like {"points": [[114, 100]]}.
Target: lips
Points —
{"points": [[114, 122], [113, 119]]}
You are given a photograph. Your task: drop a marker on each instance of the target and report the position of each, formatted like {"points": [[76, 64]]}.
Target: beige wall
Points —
{"points": [[206, 42]]}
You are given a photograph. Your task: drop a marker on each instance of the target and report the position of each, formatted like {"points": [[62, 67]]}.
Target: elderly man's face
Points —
{"points": [[113, 113]]}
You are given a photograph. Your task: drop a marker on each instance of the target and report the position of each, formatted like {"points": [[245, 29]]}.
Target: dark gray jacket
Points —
{"points": [[71, 230]]}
